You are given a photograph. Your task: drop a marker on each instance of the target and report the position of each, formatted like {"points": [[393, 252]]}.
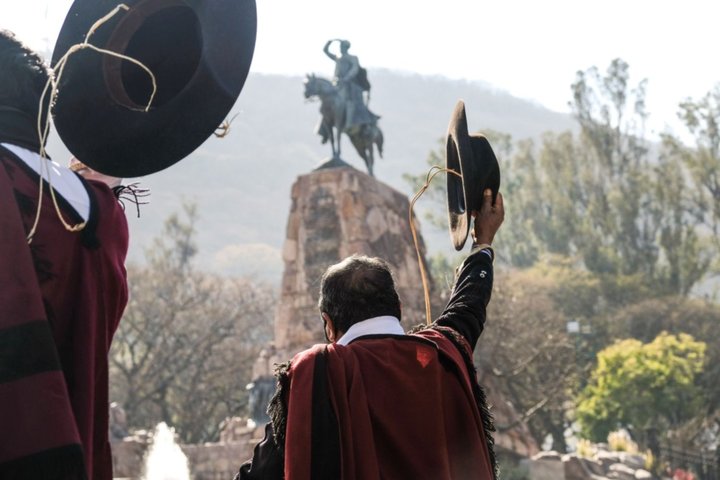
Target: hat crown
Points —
{"points": [[166, 37]]}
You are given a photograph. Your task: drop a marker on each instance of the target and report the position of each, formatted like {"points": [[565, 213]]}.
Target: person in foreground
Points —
{"points": [[61, 294], [376, 402]]}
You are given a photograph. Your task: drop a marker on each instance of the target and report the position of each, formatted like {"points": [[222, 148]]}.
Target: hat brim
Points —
{"points": [[473, 158], [200, 52]]}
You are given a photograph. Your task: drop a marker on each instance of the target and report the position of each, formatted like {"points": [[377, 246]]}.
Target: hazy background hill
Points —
{"points": [[242, 182]]}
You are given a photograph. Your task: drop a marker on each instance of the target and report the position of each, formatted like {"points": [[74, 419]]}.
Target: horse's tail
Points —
{"points": [[379, 140]]}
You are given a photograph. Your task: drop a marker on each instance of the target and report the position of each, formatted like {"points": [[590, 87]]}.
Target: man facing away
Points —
{"points": [[377, 403], [61, 294]]}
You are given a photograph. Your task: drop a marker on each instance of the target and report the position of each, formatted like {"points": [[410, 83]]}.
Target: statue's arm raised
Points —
{"points": [[326, 49]]}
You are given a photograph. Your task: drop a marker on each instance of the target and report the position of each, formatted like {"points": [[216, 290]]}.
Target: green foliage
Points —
{"points": [[602, 198], [593, 189], [519, 246], [575, 292], [702, 161], [610, 230], [638, 386], [646, 319], [702, 118]]}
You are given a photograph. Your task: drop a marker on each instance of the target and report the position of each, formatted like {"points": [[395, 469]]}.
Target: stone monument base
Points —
{"points": [[338, 211], [334, 162]]}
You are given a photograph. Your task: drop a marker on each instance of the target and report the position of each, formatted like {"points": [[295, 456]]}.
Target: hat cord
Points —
{"points": [[44, 130], [434, 170]]}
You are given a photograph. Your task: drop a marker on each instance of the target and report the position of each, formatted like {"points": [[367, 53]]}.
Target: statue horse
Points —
{"points": [[332, 124]]}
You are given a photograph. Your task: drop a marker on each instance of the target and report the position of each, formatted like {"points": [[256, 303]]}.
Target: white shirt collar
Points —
{"points": [[385, 325], [64, 181]]}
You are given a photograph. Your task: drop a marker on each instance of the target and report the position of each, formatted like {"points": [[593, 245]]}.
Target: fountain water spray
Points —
{"points": [[165, 459]]}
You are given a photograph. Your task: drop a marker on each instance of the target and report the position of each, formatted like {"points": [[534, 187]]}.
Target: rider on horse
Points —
{"points": [[351, 80]]}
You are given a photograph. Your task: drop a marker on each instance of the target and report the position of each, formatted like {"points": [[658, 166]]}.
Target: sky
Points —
{"points": [[531, 49]]}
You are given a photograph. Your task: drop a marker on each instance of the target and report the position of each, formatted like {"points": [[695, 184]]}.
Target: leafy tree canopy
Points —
{"points": [[641, 385]]}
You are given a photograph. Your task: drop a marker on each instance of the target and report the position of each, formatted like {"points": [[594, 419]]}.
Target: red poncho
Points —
{"points": [[409, 412], [61, 299]]}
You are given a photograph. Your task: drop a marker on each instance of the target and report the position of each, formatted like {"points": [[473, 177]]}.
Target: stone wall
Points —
{"points": [[603, 465]]}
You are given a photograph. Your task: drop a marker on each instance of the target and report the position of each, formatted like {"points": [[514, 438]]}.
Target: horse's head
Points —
{"points": [[311, 85], [318, 87]]}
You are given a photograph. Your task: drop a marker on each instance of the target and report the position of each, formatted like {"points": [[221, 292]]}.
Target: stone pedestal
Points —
{"points": [[337, 212]]}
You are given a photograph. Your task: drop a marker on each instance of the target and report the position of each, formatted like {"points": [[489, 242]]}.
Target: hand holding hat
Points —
{"points": [[472, 157], [488, 219]]}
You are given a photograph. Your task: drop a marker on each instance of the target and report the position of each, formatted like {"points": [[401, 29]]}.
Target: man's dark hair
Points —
{"points": [[23, 75], [356, 289]]}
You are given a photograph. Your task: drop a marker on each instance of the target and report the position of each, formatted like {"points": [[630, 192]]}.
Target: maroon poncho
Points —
{"points": [[405, 408], [385, 405], [61, 299]]}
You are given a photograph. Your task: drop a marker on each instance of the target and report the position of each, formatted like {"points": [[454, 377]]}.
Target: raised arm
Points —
{"points": [[466, 309], [326, 49]]}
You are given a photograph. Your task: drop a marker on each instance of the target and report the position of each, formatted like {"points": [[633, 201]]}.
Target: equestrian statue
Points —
{"points": [[344, 106]]}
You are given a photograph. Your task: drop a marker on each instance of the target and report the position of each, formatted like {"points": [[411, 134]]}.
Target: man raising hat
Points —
{"points": [[377, 403], [62, 292]]}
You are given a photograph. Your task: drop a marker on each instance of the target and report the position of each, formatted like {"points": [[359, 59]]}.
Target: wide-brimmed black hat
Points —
{"points": [[472, 157], [200, 53]]}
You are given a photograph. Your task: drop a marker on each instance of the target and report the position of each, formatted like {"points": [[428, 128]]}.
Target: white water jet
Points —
{"points": [[165, 460]]}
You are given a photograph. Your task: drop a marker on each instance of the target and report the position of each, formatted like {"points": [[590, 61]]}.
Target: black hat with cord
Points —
{"points": [[473, 158], [199, 52]]}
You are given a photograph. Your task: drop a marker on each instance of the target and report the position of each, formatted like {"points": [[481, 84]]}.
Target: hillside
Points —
{"points": [[242, 182]]}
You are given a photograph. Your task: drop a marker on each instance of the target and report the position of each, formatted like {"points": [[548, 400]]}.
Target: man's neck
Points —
{"points": [[385, 325]]}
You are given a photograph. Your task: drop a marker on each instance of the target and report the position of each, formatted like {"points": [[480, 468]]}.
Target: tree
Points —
{"points": [[699, 318], [702, 161], [642, 386], [600, 220], [526, 349], [186, 344], [602, 197], [702, 118]]}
